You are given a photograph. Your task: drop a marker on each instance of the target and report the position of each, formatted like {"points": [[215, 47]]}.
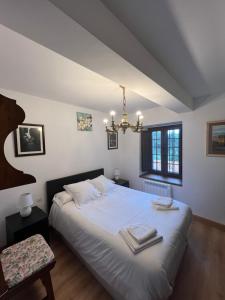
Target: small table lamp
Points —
{"points": [[25, 204], [116, 174]]}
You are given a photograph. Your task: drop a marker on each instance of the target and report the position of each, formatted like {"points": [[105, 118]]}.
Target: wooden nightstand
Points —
{"points": [[18, 228], [122, 182]]}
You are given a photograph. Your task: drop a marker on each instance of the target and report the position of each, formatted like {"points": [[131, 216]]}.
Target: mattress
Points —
{"points": [[92, 231]]}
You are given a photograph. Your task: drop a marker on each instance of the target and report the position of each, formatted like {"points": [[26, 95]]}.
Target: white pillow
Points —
{"points": [[57, 201], [103, 184], [82, 192], [62, 198]]}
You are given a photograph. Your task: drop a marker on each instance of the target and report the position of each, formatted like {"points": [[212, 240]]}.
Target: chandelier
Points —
{"points": [[124, 123]]}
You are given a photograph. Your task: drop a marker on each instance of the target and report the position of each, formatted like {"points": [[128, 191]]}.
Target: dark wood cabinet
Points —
{"points": [[18, 228], [122, 182]]}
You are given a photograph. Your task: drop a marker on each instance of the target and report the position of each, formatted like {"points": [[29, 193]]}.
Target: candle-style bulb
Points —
{"points": [[138, 113], [105, 121]]}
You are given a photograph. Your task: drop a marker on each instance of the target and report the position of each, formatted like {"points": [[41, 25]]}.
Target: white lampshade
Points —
{"points": [[25, 200], [25, 204], [117, 173]]}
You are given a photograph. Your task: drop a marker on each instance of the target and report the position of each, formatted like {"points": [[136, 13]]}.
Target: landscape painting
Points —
{"points": [[216, 138]]}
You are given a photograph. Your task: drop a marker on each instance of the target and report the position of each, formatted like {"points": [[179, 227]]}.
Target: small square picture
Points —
{"points": [[112, 138], [84, 121], [29, 140], [216, 138]]}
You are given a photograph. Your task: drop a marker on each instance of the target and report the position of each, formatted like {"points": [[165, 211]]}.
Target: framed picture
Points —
{"points": [[84, 121], [216, 138], [112, 138], [29, 140]]}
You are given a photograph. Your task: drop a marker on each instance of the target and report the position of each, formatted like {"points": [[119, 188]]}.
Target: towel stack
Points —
{"points": [[164, 203], [140, 237]]}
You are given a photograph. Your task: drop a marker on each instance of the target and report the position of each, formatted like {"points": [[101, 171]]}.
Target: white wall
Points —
{"points": [[68, 151], [203, 177]]}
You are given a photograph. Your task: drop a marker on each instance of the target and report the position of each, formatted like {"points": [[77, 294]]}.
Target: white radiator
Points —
{"points": [[158, 188]]}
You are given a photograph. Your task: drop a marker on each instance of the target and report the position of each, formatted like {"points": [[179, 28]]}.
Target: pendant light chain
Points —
{"points": [[124, 100]]}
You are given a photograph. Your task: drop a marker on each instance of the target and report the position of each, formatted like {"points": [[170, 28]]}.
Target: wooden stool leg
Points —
{"points": [[47, 282], [3, 285]]}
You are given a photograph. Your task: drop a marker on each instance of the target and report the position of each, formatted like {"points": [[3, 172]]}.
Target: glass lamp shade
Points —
{"points": [[25, 203], [116, 174]]}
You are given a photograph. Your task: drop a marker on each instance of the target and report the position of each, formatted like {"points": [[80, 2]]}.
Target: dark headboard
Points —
{"points": [[56, 185]]}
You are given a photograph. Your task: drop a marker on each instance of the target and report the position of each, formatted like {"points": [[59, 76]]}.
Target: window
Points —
{"points": [[162, 151]]}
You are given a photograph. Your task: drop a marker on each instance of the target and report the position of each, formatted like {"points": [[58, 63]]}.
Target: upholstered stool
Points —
{"points": [[25, 262]]}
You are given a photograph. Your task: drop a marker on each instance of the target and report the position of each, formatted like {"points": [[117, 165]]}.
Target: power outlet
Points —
{"points": [[38, 201]]}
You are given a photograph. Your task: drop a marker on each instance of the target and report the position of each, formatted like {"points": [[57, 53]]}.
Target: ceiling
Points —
{"points": [[84, 32], [168, 53], [31, 68], [186, 37]]}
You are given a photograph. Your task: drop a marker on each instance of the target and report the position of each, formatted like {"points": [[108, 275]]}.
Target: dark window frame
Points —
{"points": [[164, 151]]}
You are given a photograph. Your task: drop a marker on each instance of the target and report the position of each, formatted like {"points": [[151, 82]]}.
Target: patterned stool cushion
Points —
{"points": [[25, 258]]}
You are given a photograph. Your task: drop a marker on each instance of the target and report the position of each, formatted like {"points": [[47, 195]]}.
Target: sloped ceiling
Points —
{"points": [[187, 38], [31, 68], [170, 53], [87, 33]]}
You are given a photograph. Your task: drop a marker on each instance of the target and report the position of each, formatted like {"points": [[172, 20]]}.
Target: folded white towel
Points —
{"points": [[164, 208], [163, 201], [141, 232], [134, 246]]}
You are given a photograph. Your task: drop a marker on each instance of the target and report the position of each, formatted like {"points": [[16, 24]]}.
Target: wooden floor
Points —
{"points": [[201, 275]]}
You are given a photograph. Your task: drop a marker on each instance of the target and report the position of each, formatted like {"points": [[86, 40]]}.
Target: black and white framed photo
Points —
{"points": [[112, 138], [29, 140]]}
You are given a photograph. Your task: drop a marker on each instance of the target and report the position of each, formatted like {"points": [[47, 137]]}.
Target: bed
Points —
{"points": [[92, 232]]}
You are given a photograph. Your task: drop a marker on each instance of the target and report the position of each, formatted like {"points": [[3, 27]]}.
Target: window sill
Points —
{"points": [[169, 180]]}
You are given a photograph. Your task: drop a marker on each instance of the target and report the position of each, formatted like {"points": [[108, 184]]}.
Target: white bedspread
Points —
{"points": [[93, 232]]}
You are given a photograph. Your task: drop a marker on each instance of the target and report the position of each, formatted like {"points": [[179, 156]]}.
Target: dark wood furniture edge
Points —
{"points": [[122, 182], [56, 185], [208, 222], [120, 179], [11, 115], [3, 285], [16, 225], [43, 274]]}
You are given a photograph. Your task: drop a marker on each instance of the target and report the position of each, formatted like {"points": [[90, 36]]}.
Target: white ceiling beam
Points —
{"points": [[102, 44]]}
